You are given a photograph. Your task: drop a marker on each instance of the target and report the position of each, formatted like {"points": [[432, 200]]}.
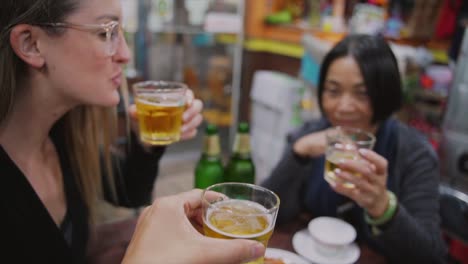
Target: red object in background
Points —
{"points": [[435, 144], [421, 125], [426, 81], [447, 19], [378, 2], [428, 130], [459, 251]]}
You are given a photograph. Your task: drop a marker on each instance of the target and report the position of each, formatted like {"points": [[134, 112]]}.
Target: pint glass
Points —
{"points": [[240, 210], [160, 106]]}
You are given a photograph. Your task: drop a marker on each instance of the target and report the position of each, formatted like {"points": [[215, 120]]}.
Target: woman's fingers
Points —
{"points": [[132, 111], [192, 119], [355, 179], [359, 180], [193, 110], [359, 167], [378, 161], [189, 97], [351, 193], [364, 195]]}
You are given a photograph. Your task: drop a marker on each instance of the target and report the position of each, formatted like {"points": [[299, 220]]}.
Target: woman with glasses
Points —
{"points": [[393, 203], [60, 72]]}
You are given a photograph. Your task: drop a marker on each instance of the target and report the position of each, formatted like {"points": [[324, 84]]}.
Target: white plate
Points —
{"points": [[286, 256], [305, 246]]}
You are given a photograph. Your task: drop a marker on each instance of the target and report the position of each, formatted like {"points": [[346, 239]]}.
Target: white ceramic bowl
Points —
{"points": [[331, 234]]}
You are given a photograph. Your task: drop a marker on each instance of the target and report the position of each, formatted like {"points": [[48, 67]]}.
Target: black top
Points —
{"points": [[29, 234]]}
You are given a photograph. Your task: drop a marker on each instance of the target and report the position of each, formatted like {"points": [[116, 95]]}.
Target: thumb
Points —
{"points": [[233, 251]]}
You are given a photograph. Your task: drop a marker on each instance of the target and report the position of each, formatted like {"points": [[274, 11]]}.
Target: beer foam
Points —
{"points": [[335, 156], [257, 209], [168, 101]]}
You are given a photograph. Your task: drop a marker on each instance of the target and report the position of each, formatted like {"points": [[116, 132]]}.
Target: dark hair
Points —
{"points": [[15, 12], [379, 70]]}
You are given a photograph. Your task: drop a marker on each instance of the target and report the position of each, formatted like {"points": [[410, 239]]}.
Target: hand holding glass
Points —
{"points": [[160, 106], [241, 210], [344, 143]]}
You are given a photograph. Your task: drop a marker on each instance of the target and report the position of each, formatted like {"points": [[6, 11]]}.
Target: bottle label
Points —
{"points": [[242, 144], [211, 145]]}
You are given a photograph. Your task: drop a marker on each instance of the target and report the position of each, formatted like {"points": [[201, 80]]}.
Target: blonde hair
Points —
{"points": [[89, 131]]}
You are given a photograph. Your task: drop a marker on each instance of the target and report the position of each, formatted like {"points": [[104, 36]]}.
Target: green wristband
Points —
{"points": [[387, 215]]}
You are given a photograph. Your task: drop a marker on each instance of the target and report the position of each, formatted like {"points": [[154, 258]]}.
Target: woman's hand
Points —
{"points": [[311, 145], [165, 234], [191, 118], [370, 191]]}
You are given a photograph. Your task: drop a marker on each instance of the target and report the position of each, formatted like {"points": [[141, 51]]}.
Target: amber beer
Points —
{"points": [[343, 143], [331, 162], [159, 123], [239, 219], [160, 106], [240, 210]]}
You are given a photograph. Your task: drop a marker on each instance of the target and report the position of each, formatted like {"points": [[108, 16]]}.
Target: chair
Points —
{"points": [[454, 222], [454, 212]]}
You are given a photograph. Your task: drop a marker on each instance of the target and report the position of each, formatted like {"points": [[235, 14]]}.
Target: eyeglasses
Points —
{"points": [[108, 33]]}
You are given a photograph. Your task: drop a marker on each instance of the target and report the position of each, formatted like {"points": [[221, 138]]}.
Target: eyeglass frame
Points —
{"points": [[108, 27]]}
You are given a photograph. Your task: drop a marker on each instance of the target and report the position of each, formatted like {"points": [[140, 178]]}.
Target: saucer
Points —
{"points": [[305, 245]]}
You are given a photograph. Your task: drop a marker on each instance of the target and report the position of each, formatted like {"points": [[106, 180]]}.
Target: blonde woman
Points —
{"points": [[60, 73]]}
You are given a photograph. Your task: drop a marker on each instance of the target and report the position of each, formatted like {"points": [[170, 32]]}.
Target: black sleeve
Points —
{"points": [[134, 174]]}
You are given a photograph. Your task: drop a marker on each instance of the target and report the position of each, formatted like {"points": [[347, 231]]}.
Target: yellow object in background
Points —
{"points": [[217, 117]]}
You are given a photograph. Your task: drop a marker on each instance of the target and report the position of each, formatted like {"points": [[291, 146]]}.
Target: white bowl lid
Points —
{"points": [[332, 231]]}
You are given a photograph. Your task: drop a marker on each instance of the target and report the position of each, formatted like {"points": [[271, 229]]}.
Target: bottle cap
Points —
{"points": [[243, 127], [211, 129]]}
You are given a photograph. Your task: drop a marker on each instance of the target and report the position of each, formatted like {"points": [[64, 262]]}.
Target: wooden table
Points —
{"points": [[282, 238]]}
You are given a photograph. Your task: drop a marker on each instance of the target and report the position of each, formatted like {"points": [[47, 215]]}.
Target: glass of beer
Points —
{"points": [[343, 143], [160, 105], [240, 210]]}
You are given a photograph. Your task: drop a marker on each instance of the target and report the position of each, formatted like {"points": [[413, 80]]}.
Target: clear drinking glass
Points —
{"points": [[240, 210], [160, 105], [344, 143]]}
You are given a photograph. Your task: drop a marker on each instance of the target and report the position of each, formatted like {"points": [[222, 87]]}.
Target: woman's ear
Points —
{"points": [[24, 39]]}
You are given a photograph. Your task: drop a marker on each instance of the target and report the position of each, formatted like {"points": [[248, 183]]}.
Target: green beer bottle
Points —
{"points": [[209, 169], [241, 167]]}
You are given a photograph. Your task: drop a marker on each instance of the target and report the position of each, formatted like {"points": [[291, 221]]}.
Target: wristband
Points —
{"points": [[387, 215]]}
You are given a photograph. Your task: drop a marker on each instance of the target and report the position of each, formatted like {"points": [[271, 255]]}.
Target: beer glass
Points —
{"points": [[160, 106], [344, 143], [239, 210]]}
